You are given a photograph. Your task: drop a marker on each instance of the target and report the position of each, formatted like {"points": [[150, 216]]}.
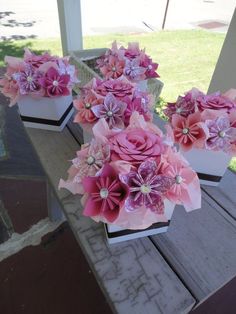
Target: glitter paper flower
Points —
{"points": [[113, 68], [28, 80], [134, 71], [112, 110], [89, 160], [55, 84], [147, 188], [189, 132], [106, 194], [221, 134], [84, 106]]}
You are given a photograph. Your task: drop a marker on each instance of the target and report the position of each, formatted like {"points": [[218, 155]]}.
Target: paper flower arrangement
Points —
{"points": [[113, 100], [132, 62], [38, 76], [126, 176], [204, 121]]}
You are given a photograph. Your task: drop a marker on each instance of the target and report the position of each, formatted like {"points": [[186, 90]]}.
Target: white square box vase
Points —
{"points": [[209, 165], [46, 113], [115, 234]]}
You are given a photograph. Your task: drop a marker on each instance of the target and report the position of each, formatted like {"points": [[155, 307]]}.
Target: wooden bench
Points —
{"points": [[168, 273]]}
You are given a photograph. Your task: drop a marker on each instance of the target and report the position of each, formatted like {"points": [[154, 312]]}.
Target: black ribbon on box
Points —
{"points": [[128, 231], [208, 177], [48, 121]]}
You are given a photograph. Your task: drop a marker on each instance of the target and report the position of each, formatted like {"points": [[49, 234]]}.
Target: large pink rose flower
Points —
{"points": [[189, 132], [120, 88], [215, 101], [135, 145]]}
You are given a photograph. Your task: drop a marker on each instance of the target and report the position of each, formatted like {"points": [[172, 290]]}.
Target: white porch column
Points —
{"points": [[70, 25], [224, 76]]}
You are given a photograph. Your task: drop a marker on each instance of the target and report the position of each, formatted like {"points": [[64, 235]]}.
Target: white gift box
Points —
{"points": [[209, 165], [115, 234], [44, 112]]}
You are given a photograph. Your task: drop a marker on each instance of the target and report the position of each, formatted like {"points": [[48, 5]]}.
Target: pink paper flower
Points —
{"points": [[186, 187], [113, 68], [37, 60], [120, 88], [185, 105], [189, 132], [215, 101], [28, 80], [139, 105], [55, 84], [112, 110], [147, 188], [84, 105], [221, 134], [135, 145], [149, 66], [106, 194], [132, 51], [133, 71], [88, 162]]}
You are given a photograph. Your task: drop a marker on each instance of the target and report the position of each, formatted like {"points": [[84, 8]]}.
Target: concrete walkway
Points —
{"points": [[30, 19]]}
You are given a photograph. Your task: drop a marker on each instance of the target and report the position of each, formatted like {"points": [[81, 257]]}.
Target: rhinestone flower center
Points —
{"points": [[145, 189], [55, 83], [90, 160], [104, 193], [185, 131], [178, 179]]}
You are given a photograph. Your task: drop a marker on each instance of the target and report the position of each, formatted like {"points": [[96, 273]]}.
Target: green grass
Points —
{"points": [[186, 58]]}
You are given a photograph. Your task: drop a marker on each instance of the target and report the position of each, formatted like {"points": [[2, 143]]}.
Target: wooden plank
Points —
{"points": [[133, 275], [18, 156], [201, 246], [224, 194]]}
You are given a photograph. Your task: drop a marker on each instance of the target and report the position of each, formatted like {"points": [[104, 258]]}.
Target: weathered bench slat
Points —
{"points": [[225, 193], [201, 246], [133, 274]]}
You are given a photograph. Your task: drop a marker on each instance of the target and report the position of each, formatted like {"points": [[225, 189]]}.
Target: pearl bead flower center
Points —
{"points": [[55, 83], [145, 189], [185, 131], [149, 67], [90, 160], [87, 106], [29, 79], [113, 69], [104, 193], [109, 113], [178, 179], [221, 134], [178, 110]]}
